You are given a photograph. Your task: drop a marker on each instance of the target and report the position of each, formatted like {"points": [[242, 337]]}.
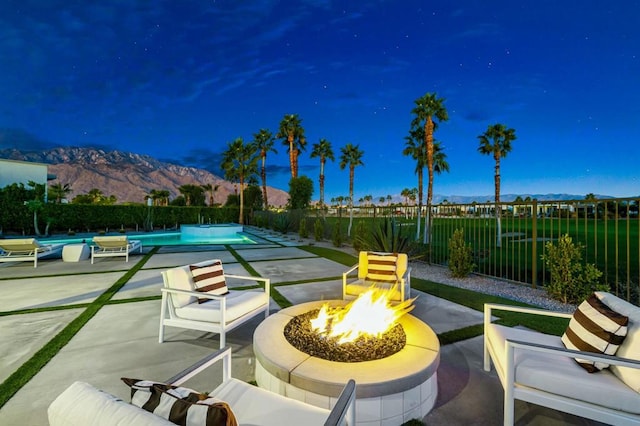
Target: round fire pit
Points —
{"points": [[300, 334], [390, 390]]}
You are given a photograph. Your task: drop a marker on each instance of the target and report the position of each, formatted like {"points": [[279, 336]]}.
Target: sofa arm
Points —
{"points": [[488, 307], [510, 345], [345, 408], [223, 354]]}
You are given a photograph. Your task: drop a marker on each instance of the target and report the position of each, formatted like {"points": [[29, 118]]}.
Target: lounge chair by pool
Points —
{"points": [[117, 245], [26, 249]]}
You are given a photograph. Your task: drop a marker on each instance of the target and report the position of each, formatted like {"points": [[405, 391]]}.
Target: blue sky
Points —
{"points": [[178, 80]]}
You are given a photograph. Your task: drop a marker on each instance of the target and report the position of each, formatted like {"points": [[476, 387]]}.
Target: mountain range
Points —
{"points": [[129, 177], [125, 175]]}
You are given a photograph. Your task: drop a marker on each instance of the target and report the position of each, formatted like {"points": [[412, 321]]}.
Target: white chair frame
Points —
{"points": [[168, 315]]}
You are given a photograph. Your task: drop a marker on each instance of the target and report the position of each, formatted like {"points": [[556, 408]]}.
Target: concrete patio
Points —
{"points": [[121, 340]]}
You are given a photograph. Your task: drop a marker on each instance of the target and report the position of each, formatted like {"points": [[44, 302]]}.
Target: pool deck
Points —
{"points": [[121, 340]]}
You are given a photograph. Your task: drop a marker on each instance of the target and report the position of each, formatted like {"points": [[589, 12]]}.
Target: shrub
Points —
{"points": [[460, 255], [303, 228], [318, 230], [281, 223], [337, 237], [572, 281]]}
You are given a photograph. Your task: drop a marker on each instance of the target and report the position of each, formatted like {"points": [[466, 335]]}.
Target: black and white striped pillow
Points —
{"points": [[209, 279], [596, 328], [182, 406]]}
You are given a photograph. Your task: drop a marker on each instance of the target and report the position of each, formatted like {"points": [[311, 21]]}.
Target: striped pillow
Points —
{"points": [[382, 267], [179, 405], [209, 279], [596, 328]]}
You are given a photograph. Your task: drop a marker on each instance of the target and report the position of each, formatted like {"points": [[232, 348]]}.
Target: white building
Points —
{"points": [[12, 171]]}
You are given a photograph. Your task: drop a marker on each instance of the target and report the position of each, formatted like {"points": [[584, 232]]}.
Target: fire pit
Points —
{"points": [[391, 389]]}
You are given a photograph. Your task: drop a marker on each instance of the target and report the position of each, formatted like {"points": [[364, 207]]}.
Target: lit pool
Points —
{"points": [[165, 239]]}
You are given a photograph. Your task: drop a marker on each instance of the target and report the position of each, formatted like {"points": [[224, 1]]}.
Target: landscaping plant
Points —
{"points": [[572, 280], [303, 228], [460, 255], [337, 237], [318, 230]]}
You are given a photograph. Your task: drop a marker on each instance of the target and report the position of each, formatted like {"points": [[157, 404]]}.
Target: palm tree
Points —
{"points": [[292, 134], [496, 141], [414, 147], [427, 108], [381, 200], [352, 157], [58, 191], [209, 188], [389, 198], [322, 150], [240, 162], [263, 141]]}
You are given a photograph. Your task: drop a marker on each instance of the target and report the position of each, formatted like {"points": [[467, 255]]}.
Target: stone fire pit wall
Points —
{"points": [[390, 391]]}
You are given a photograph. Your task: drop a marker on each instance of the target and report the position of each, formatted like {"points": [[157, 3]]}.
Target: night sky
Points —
{"points": [[178, 80]]}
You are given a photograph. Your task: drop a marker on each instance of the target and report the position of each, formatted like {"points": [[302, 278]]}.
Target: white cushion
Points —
{"points": [[630, 348], [180, 278], [561, 374], [239, 303], [255, 406], [81, 404]]}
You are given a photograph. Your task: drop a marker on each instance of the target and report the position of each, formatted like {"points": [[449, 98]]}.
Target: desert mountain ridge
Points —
{"points": [[127, 176]]}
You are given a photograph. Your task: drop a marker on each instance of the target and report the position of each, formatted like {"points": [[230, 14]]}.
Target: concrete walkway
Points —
{"points": [[121, 340]]}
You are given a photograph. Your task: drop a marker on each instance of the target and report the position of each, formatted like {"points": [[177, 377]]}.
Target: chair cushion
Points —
{"points": [[558, 374], [209, 279], [382, 267], [255, 406], [596, 328], [81, 404], [180, 278], [630, 348], [179, 405], [239, 303]]}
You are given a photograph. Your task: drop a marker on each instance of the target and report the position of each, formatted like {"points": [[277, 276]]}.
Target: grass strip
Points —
{"points": [[282, 301], [43, 309], [309, 280], [33, 365], [74, 274], [243, 262], [331, 254], [460, 334]]}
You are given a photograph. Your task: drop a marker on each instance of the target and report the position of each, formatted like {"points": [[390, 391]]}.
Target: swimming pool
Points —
{"points": [[164, 239]]}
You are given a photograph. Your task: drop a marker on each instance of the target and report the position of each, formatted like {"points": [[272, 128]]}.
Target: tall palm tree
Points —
{"points": [[496, 141], [292, 134], [414, 147], [240, 161], [322, 150], [427, 108], [352, 157], [263, 140]]}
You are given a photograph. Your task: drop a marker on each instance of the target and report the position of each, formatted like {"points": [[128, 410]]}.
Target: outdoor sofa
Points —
{"points": [[538, 368], [81, 404]]}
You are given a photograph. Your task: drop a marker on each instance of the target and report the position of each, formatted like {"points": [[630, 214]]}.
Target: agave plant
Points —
{"points": [[386, 237]]}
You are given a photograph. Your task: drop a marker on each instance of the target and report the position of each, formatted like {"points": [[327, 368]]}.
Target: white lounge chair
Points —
{"points": [[218, 313], [27, 249], [117, 245]]}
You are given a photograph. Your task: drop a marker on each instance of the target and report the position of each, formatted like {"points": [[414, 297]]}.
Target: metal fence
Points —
{"points": [[607, 228]]}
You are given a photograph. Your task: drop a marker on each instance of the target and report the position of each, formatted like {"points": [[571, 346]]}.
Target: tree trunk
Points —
{"points": [[241, 218], [498, 208], [291, 155], [322, 187], [420, 196], [263, 175], [350, 200], [428, 135], [35, 223]]}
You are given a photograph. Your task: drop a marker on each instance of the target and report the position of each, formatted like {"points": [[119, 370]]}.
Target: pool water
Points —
{"points": [[164, 239]]}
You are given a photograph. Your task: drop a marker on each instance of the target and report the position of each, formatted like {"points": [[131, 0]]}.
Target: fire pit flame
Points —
{"points": [[370, 315]]}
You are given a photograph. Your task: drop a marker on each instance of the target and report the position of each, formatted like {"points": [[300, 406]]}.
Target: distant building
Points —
{"points": [[12, 171]]}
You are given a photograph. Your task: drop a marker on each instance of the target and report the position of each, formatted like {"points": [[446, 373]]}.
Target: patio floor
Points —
{"points": [[121, 340]]}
